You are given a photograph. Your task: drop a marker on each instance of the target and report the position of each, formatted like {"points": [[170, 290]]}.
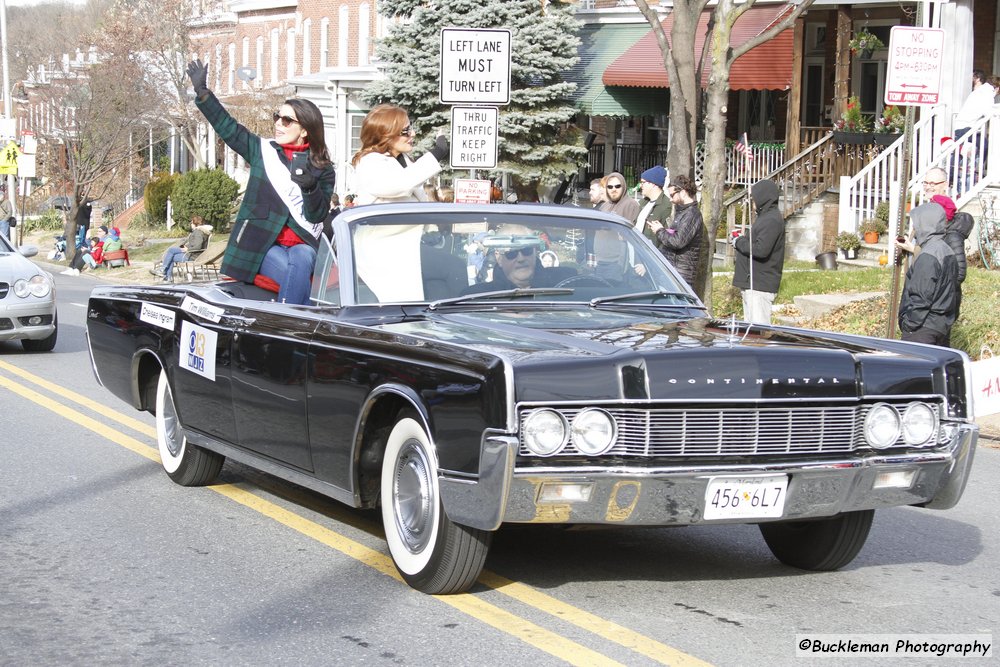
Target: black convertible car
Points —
{"points": [[466, 366]]}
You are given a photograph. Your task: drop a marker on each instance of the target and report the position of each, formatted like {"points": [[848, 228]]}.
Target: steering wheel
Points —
{"points": [[584, 280]]}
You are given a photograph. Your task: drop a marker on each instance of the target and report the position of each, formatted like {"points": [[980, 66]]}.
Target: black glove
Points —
{"points": [[198, 72], [303, 178], [441, 149]]}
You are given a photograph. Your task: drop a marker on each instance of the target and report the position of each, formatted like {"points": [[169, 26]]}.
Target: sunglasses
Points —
{"points": [[406, 131], [284, 120], [513, 252], [934, 182], [615, 187]]}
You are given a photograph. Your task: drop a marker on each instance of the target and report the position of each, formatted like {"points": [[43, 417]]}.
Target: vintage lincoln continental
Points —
{"points": [[466, 366]]}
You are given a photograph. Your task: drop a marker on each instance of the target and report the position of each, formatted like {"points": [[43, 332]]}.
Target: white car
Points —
{"points": [[27, 299]]}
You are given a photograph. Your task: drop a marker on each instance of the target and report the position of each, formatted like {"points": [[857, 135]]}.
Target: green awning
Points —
{"points": [[600, 45]]}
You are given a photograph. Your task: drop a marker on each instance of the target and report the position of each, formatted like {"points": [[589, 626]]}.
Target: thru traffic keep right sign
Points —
{"points": [[914, 70]]}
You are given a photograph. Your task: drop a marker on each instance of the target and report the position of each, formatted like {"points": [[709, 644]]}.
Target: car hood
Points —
{"points": [[14, 266], [592, 354]]}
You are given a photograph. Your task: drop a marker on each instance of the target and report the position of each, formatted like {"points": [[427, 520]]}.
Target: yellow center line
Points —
{"points": [[528, 632], [601, 627], [492, 615], [69, 395]]}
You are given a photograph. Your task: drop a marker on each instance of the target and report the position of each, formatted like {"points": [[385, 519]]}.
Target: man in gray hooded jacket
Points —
{"points": [[929, 305]]}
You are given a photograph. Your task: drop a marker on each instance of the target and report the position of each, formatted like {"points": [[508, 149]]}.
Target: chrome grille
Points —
{"points": [[750, 431]]}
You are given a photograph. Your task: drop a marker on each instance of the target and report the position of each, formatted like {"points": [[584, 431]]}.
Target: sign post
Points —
{"points": [[475, 76], [913, 79]]}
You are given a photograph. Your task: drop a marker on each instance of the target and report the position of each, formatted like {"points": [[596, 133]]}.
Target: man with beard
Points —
{"points": [[617, 201]]}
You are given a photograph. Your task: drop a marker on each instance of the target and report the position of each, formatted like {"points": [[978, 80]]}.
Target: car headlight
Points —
{"points": [[882, 426], [37, 285], [594, 431], [919, 424], [545, 432]]}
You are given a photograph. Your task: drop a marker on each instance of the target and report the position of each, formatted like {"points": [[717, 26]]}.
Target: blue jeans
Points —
{"points": [[5, 229], [170, 257], [291, 267]]}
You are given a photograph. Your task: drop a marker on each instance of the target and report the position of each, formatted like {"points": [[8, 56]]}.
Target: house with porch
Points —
{"points": [[786, 96]]}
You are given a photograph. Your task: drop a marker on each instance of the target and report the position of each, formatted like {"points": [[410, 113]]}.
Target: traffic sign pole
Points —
{"points": [[913, 78]]}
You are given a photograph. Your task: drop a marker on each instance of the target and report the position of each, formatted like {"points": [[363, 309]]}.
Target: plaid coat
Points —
{"points": [[263, 214]]}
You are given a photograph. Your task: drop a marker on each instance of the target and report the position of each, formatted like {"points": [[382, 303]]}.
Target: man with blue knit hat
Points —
{"points": [[656, 208]]}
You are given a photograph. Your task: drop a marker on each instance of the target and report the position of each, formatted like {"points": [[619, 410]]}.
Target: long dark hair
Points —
{"points": [[311, 120]]}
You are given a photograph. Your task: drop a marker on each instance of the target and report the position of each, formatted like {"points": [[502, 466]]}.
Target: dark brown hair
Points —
{"points": [[684, 182], [311, 120]]}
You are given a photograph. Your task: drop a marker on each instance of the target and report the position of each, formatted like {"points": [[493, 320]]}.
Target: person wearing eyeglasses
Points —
{"points": [[519, 265], [929, 303], [273, 243], [617, 200], [383, 169], [680, 238], [656, 207]]}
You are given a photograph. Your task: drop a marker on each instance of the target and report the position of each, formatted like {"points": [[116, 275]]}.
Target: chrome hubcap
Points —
{"points": [[413, 497]]}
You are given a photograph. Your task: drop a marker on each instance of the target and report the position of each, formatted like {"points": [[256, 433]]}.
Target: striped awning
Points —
{"points": [[600, 44], [765, 67]]}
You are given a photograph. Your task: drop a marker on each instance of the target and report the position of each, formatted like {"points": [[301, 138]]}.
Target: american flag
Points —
{"points": [[743, 146]]}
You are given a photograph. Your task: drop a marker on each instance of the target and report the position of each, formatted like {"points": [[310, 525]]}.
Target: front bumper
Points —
{"points": [[675, 495], [15, 319]]}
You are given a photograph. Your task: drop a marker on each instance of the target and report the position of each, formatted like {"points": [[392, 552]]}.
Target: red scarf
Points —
{"points": [[287, 237]]}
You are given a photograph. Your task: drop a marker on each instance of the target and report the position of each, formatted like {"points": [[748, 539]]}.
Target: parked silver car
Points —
{"points": [[27, 299]]}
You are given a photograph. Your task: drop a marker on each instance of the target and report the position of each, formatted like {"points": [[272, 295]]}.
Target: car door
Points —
{"points": [[203, 382], [270, 372]]}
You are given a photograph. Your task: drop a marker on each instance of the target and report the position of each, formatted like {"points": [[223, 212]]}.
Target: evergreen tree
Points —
{"points": [[537, 144]]}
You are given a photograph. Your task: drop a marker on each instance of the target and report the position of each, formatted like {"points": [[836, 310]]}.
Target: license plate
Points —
{"points": [[755, 497]]}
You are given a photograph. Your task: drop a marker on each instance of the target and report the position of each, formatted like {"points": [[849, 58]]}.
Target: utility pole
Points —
{"points": [[7, 116]]}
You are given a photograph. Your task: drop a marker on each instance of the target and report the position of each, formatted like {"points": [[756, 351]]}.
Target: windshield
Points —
{"points": [[454, 257]]}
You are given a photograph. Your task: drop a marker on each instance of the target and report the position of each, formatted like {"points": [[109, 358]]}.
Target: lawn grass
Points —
{"points": [[978, 323]]}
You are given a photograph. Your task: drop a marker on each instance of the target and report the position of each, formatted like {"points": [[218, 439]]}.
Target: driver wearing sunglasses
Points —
{"points": [[518, 264]]}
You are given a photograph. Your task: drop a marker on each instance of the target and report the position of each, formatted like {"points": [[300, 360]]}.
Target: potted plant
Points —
{"points": [[848, 242], [889, 126], [853, 127], [864, 43], [872, 229]]}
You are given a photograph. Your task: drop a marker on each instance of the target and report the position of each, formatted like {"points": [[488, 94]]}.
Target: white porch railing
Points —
{"points": [[765, 159], [966, 166]]}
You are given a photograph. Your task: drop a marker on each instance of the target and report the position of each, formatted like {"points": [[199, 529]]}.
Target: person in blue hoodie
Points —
{"points": [[929, 304]]}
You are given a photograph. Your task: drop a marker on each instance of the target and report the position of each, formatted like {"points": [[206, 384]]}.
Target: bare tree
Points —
{"points": [[158, 31], [40, 34], [95, 112], [684, 68]]}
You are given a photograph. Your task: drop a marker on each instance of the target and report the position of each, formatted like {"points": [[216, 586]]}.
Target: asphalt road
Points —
{"points": [[103, 560]]}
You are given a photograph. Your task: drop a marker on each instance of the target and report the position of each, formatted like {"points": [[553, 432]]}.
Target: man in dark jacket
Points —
{"points": [[760, 255], [929, 305]]}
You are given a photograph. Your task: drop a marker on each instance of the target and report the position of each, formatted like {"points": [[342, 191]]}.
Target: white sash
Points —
{"points": [[290, 193]]}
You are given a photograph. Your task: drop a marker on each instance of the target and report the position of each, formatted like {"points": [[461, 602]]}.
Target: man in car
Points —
{"points": [[518, 264]]}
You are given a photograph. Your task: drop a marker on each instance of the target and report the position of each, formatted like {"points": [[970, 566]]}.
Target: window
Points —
{"points": [[307, 46], [324, 43], [290, 53], [364, 27], [343, 35]]}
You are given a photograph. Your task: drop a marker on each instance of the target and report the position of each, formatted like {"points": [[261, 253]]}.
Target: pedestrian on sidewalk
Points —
{"points": [[760, 255], [929, 303]]}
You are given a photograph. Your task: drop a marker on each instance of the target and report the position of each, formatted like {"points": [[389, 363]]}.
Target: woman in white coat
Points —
{"points": [[383, 169]]}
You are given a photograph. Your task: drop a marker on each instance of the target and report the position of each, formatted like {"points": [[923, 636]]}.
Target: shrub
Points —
{"points": [[882, 212], [51, 220], [156, 194], [209, 193], [873, 225], [848, 241]]}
